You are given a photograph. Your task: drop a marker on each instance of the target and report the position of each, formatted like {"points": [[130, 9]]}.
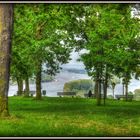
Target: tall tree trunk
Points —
{"points": [[99, 81], [105, 90], [105, 85], [113, 92], [6, 25], [99, 92], [99, 76], [20, 86], [113, 88], [126, 90], [27, 89], [98, 95], [38, 83], [123, 88], [96, 88], [99, 89]]}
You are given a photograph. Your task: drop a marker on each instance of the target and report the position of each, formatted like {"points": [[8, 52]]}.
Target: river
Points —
{"points": [[64, 76]]}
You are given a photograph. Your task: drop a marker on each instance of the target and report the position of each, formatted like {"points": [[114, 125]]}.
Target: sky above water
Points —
{"points": [[73, 63]]}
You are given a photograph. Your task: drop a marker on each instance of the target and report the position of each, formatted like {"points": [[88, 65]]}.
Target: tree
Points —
{"points": [[50, 45], [6, 22], [41, 37], [109, 33], [128, 49], [21, 65], [102, 33], [113, 81]]}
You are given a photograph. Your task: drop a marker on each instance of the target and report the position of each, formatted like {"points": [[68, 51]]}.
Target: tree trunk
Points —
{"points": [[126, 90], [105, 85], [113, 88], [105, 91], [123, 88], [99, 76], [27, 89], [113, 92], [6, 25], [96, 88], [20, 86], [38, 83], [98, 95], [99, 90]]}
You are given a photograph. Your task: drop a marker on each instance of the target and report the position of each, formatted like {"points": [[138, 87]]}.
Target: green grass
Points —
{"points": [[56, 117]]}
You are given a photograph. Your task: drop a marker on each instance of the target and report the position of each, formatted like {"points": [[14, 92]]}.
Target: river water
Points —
{"points": [[54, 86], [64, 76]]}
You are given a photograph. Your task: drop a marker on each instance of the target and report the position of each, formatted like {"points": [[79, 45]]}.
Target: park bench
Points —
{"points": [[92, 96], [60, 94], [130, 97], [86, 95]]}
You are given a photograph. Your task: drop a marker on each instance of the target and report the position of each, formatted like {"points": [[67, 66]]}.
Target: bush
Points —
{"points": [[137, 91], [130, 93], [137, 94], [80, 86]]}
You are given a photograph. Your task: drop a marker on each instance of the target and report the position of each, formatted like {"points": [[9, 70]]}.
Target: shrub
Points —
{"points": [[80, 86], [130, 93], [137, 94], [137, 91]]}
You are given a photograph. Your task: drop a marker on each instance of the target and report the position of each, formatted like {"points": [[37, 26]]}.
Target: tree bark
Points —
{"points": [[20, 86], [99, 90], [27, 89], [38, 83], [105, 83], [6, 25], [113, 92], [99, 93], [105, 91], [96, 88], [113, 88], [126, 90], [123, 88]]}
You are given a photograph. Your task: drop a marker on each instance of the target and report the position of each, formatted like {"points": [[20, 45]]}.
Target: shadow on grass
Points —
{"points": [[80, 106]]}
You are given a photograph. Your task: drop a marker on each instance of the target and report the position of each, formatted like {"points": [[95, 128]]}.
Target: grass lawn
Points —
{"points": [[54, 116]]}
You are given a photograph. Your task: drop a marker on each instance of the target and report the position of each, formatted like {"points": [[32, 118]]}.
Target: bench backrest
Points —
{"points": [[66, 93], [86, 95], [123, 96], [32, 92]]}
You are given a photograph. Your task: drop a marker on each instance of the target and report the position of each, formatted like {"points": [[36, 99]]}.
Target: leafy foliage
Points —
{"points": [[111, 35], [80, 86]]}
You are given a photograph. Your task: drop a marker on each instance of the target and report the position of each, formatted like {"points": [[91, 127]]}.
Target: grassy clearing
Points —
{"points": [[54, 116]]}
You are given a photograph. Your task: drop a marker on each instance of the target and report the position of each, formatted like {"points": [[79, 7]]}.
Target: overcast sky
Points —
{"points": [[73, 63]]}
